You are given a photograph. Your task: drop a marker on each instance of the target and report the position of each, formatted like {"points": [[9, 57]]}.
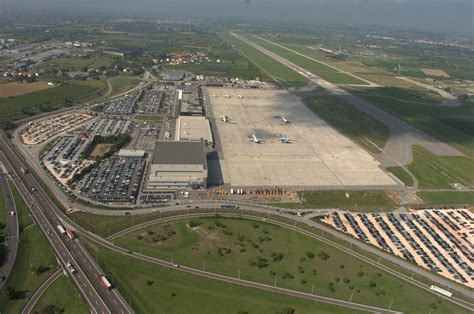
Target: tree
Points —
{"points": [[52, 309]]}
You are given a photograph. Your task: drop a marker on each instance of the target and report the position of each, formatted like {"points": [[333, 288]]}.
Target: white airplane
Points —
{"points": [[282, 118], [214, 95], [240, 96], [227, 96], [255, 139], [225, 119], [285, 139]]}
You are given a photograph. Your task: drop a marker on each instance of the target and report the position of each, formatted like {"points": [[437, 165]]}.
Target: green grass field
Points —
{"points": [[33, 251], [452, 125], [284, 76], [358, 200], [77, 63], [122, 83], [439, 172], [3, 223], [262, 251], [107, 225], [63, 295], [350, 121], [325, 72], [447, 197], [154, 289], [241, 68], [400, 173], [57, 97]]}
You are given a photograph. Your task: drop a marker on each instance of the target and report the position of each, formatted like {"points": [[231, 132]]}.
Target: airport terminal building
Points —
{"points": [[178, 164]]}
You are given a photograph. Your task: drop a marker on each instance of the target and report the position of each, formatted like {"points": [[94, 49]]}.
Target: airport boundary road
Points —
{"points": [[13, 230], [233, 280], [273, 210], [343, 248], [46, 216]]}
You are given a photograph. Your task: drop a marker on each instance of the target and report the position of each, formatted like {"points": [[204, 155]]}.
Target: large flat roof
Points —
{"points": [[191, 128], [180, 153]]}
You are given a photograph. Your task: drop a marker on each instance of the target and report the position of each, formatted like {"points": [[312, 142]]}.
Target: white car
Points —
{"points": [[71, 268]]}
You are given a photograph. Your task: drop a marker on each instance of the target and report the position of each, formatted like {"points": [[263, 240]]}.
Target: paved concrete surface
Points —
{"points": [[47, 216], [403, 136], [318, 155]]}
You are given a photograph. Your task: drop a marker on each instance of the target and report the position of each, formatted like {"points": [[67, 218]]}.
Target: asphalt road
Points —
{"points": [[321, 238], [13, 230], [246, 206], [238, 281], [402, 135], [45, 214], [41, 290]]}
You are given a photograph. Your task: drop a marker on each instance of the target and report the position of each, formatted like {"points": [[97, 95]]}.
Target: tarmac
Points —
{"points": [[317, 156]]}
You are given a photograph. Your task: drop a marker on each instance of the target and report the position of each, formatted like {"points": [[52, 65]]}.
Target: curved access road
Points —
{"points": [[41, 290], [310, 234]]}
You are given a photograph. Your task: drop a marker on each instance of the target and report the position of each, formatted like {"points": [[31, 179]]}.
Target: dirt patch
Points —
{"points": [[435, 72], [16, 89], [100, 149]]}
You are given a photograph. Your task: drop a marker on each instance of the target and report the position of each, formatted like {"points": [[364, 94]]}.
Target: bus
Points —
{"points": [[441, 291], [104, 282]]}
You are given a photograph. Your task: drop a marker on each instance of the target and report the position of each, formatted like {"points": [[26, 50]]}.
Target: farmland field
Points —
{"points": [[16, 89], [54, 98]]}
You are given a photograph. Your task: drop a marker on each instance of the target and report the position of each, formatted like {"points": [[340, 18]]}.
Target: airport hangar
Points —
{"points": [[178, 164], [317, 157]]}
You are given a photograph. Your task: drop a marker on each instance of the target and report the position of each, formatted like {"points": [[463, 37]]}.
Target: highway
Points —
{"points": [[260, 208], [13, 230], [318, 237], [233, 280], [270, 211], [45, 214]]}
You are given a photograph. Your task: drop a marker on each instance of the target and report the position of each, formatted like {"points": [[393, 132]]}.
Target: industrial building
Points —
{"points": [[178, 164], [191, 128]]}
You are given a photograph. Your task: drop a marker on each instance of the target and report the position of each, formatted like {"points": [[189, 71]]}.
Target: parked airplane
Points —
{"points": [[225, 119], [240, 96], [214, 95], [282, 118], [285, 139], [227, 96], [255, 139]]}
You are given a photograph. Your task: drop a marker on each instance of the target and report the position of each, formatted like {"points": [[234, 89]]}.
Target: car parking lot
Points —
{"points": [[41, 131], [122, 106], [145, 135], [437, 239], [115, 180], [151, 101], [65, 157], [107, 127]]}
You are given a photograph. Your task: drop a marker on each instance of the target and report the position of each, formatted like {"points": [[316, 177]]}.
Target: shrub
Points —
{"points": [[310, 254]]}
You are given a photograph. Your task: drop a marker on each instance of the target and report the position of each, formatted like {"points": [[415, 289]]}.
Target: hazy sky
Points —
{"points": [[445, 16]]}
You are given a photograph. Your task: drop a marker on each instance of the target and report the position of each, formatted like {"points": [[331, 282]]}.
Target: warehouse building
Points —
{"points": [[190, 128], [178, 165]]}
